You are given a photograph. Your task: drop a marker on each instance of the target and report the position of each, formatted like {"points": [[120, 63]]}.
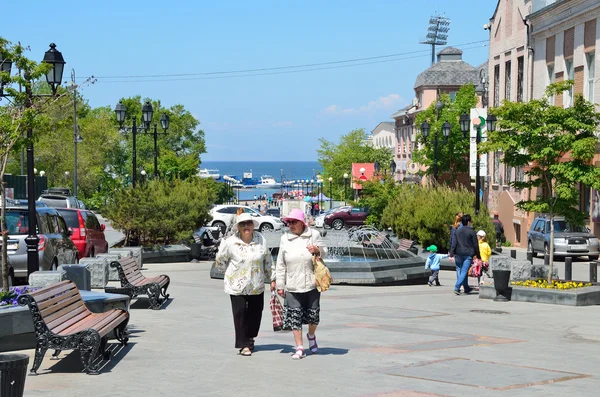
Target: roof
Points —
{"points": [[450, 51], [384, 126], [482, 72], [443, 73], [402, 111]]}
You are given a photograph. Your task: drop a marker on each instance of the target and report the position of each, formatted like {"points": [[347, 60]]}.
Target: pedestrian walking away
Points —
{"points": [[433, 263], [500, 237], [247, 261], [295, 280], [464, 247]]}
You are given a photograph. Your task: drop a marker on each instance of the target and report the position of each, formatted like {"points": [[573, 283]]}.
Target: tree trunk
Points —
{"points": [[551, 247], [4, 237]]}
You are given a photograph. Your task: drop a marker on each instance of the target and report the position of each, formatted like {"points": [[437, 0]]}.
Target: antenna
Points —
{"points": [[437, 33]]}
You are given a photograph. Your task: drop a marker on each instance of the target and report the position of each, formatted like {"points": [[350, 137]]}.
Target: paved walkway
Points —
{"points": [[375, 341]]}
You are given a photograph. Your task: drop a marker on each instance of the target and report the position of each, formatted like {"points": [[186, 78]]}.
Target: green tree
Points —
{"points": [[452, 152], [337, 159], [555, 145], [377, 195]]}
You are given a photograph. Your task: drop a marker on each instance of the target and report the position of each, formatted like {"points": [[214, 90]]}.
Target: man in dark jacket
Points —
{"points": [[499, 230], [464, 248]]}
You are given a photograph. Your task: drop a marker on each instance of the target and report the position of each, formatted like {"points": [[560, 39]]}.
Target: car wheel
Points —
{"points": [[337, 224], [265, 227], [221, 226], [530, 249]]}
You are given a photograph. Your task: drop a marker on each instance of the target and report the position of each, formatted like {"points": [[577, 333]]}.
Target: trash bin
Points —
{"points": [[13, 370], [501, 279]]}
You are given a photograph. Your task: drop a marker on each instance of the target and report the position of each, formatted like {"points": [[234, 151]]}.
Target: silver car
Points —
{"points": [[55, 246], [569, 240]]}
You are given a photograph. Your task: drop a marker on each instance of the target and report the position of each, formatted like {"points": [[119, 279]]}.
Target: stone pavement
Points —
{"points": [[374, 341]]}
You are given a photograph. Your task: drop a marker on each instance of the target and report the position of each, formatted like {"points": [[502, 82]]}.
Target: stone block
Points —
{"points": [[499, 262], [44, 278], [98, 268], [113, 274], [524, 270], [135, 252], [79, 274]]}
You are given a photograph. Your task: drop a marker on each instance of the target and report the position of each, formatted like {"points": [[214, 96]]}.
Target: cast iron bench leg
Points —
{"points": [[89, 346], [40, 351], [153, 292]]}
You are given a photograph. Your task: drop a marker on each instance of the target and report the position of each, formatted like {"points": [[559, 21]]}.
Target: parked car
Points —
{"points": [[55, 246], [59, 201], [355, 216], [320, 219], [569, 240], [276, 212], [222, 216], [88, 232]]}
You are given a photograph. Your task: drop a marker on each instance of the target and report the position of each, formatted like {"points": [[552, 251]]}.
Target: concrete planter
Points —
{"points": [[585, 296], [167, 254]]}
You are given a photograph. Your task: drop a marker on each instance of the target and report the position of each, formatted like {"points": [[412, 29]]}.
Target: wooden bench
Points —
{"points": [[407, 245], [63, 322], [134, 283]]}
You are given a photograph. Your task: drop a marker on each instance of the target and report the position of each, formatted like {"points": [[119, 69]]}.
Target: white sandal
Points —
{"points": [[312, 344], [299, 354]]}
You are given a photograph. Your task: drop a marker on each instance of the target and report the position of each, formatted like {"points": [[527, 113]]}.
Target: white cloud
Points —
{"points": [[391, 101]]}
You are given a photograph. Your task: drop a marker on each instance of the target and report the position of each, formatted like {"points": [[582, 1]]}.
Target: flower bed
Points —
{"points": [[556, 284], [11, 298]]}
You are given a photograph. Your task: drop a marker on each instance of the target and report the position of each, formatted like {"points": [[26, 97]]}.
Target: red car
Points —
{"points": [[354, 216], [88, 233]]}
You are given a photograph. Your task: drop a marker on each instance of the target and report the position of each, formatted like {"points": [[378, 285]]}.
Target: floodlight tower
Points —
{"points": [[437, 33]]}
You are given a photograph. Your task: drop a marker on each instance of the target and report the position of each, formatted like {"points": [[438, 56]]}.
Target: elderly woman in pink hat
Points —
{"points": [[295, 279], [248, 262]]}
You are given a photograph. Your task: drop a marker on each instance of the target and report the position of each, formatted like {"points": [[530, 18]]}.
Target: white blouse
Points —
{"points": [[246, 264]]}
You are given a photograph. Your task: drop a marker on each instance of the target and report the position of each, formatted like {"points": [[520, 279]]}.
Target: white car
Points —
{"points": [[222, 216]]}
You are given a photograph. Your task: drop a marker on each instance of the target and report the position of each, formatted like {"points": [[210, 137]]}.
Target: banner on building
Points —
{"points": [[478, 116], [595, 205]]}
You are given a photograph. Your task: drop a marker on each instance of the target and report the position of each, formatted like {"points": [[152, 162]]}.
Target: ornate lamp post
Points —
{"points": [[164, 123], [147, 113], [345, 186], [53, 78], [425, 129], [330, 193], [465, 127]]}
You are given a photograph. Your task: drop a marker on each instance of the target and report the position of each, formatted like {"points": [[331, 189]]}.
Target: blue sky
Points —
{"points": [[270, 116]]}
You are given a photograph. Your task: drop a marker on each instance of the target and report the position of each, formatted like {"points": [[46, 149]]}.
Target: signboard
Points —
{"points": [[595, 205], [478, 117]]}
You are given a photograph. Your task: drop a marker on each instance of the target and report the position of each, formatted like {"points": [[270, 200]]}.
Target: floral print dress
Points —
{"points": [[247, 265]]}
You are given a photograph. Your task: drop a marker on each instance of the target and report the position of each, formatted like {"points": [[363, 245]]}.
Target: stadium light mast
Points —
{"points": [[437, 33]]}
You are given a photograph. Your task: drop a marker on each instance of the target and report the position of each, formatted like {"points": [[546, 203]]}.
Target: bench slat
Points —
{"points": [[50, 313], [53, 290], [96, 321], [51, 301], [50, 287], [59, 326], [66, 314]]}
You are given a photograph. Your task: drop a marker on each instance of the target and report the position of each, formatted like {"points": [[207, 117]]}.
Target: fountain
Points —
{"points": [[362, 256]]}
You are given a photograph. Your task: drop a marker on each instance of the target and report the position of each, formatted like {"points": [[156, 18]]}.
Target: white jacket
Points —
{"points": [[294, 268]]}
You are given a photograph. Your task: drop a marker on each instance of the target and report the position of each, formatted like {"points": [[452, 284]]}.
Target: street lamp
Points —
{"points": [[425, 130], [330, 193], [345, 185], [147, 113], [54, 58], [164, 123], [465, 127]]}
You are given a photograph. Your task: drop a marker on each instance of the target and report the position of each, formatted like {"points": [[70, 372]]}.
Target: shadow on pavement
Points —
{"points": [[70, 361], [142, 303], [288, 349]]}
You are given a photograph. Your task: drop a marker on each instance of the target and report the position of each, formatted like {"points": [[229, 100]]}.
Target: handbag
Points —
{"points": [[322, 275], [475, 269], [276, 312]]}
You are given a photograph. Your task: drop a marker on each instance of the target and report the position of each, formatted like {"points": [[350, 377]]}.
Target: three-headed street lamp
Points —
{"points": [[330, 193], [465, 127], [147, 114], [425, 129], [53, 78]]}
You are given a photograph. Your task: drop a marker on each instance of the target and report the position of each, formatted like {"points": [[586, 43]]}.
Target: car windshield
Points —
{"points": [[564, 226], [252, 211], [55, 202], [70, 217], [17, 222]]}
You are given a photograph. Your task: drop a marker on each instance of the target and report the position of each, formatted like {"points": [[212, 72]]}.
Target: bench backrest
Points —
{"points": [[130, 269], [59, 306], [405, 244]]}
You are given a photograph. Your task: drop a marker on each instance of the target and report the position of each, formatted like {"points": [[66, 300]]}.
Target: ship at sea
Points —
{"points": [[207, 173]]}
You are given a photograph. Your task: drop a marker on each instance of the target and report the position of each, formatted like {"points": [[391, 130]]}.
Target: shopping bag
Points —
{"points": [[322, 275], [276, 312], [475, 269]]}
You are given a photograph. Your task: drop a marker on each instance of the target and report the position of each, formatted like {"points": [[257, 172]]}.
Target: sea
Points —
{"points": [[279, 170]]}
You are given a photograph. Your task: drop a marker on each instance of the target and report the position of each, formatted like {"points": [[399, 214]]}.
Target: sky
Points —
{"points": [[277, 114]]}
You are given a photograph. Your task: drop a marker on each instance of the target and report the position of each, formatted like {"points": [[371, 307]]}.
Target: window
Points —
{"points": [[452, 95], [520, 174], [539, 226], [497, 85], [551, 80], [570, 71], [496, 179], [507, 174], [507, 80], [591, 66], [520, 67]]}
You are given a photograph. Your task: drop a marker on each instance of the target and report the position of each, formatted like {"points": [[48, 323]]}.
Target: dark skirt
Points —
{"points": [[301, 308]]}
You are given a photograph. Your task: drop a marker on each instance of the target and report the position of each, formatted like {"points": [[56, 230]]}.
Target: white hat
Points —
{"points": [[243, 218], [481, 233]]}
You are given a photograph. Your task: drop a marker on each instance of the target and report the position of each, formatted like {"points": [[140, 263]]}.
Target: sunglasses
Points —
{"points": [[245, 223]]}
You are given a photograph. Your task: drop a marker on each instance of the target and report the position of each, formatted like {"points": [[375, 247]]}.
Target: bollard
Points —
{"points": [[568, 268], [593, 271], [513, 254], [546, 259], [530, 256]]}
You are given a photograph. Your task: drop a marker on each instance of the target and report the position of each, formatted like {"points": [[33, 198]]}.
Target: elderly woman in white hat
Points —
{"points": [[295, 279], [248, 262]]}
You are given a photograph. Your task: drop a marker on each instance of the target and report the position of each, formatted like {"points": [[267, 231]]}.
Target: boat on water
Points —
{"points": [[206, 173], [267, 181]]}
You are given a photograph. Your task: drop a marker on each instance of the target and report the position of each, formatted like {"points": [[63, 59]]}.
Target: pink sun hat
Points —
{"points": [[296, 214]]}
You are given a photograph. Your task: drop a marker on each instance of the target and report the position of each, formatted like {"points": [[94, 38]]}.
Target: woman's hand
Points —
{"points": [[273, 286], [281, 293], [313, 249]]}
